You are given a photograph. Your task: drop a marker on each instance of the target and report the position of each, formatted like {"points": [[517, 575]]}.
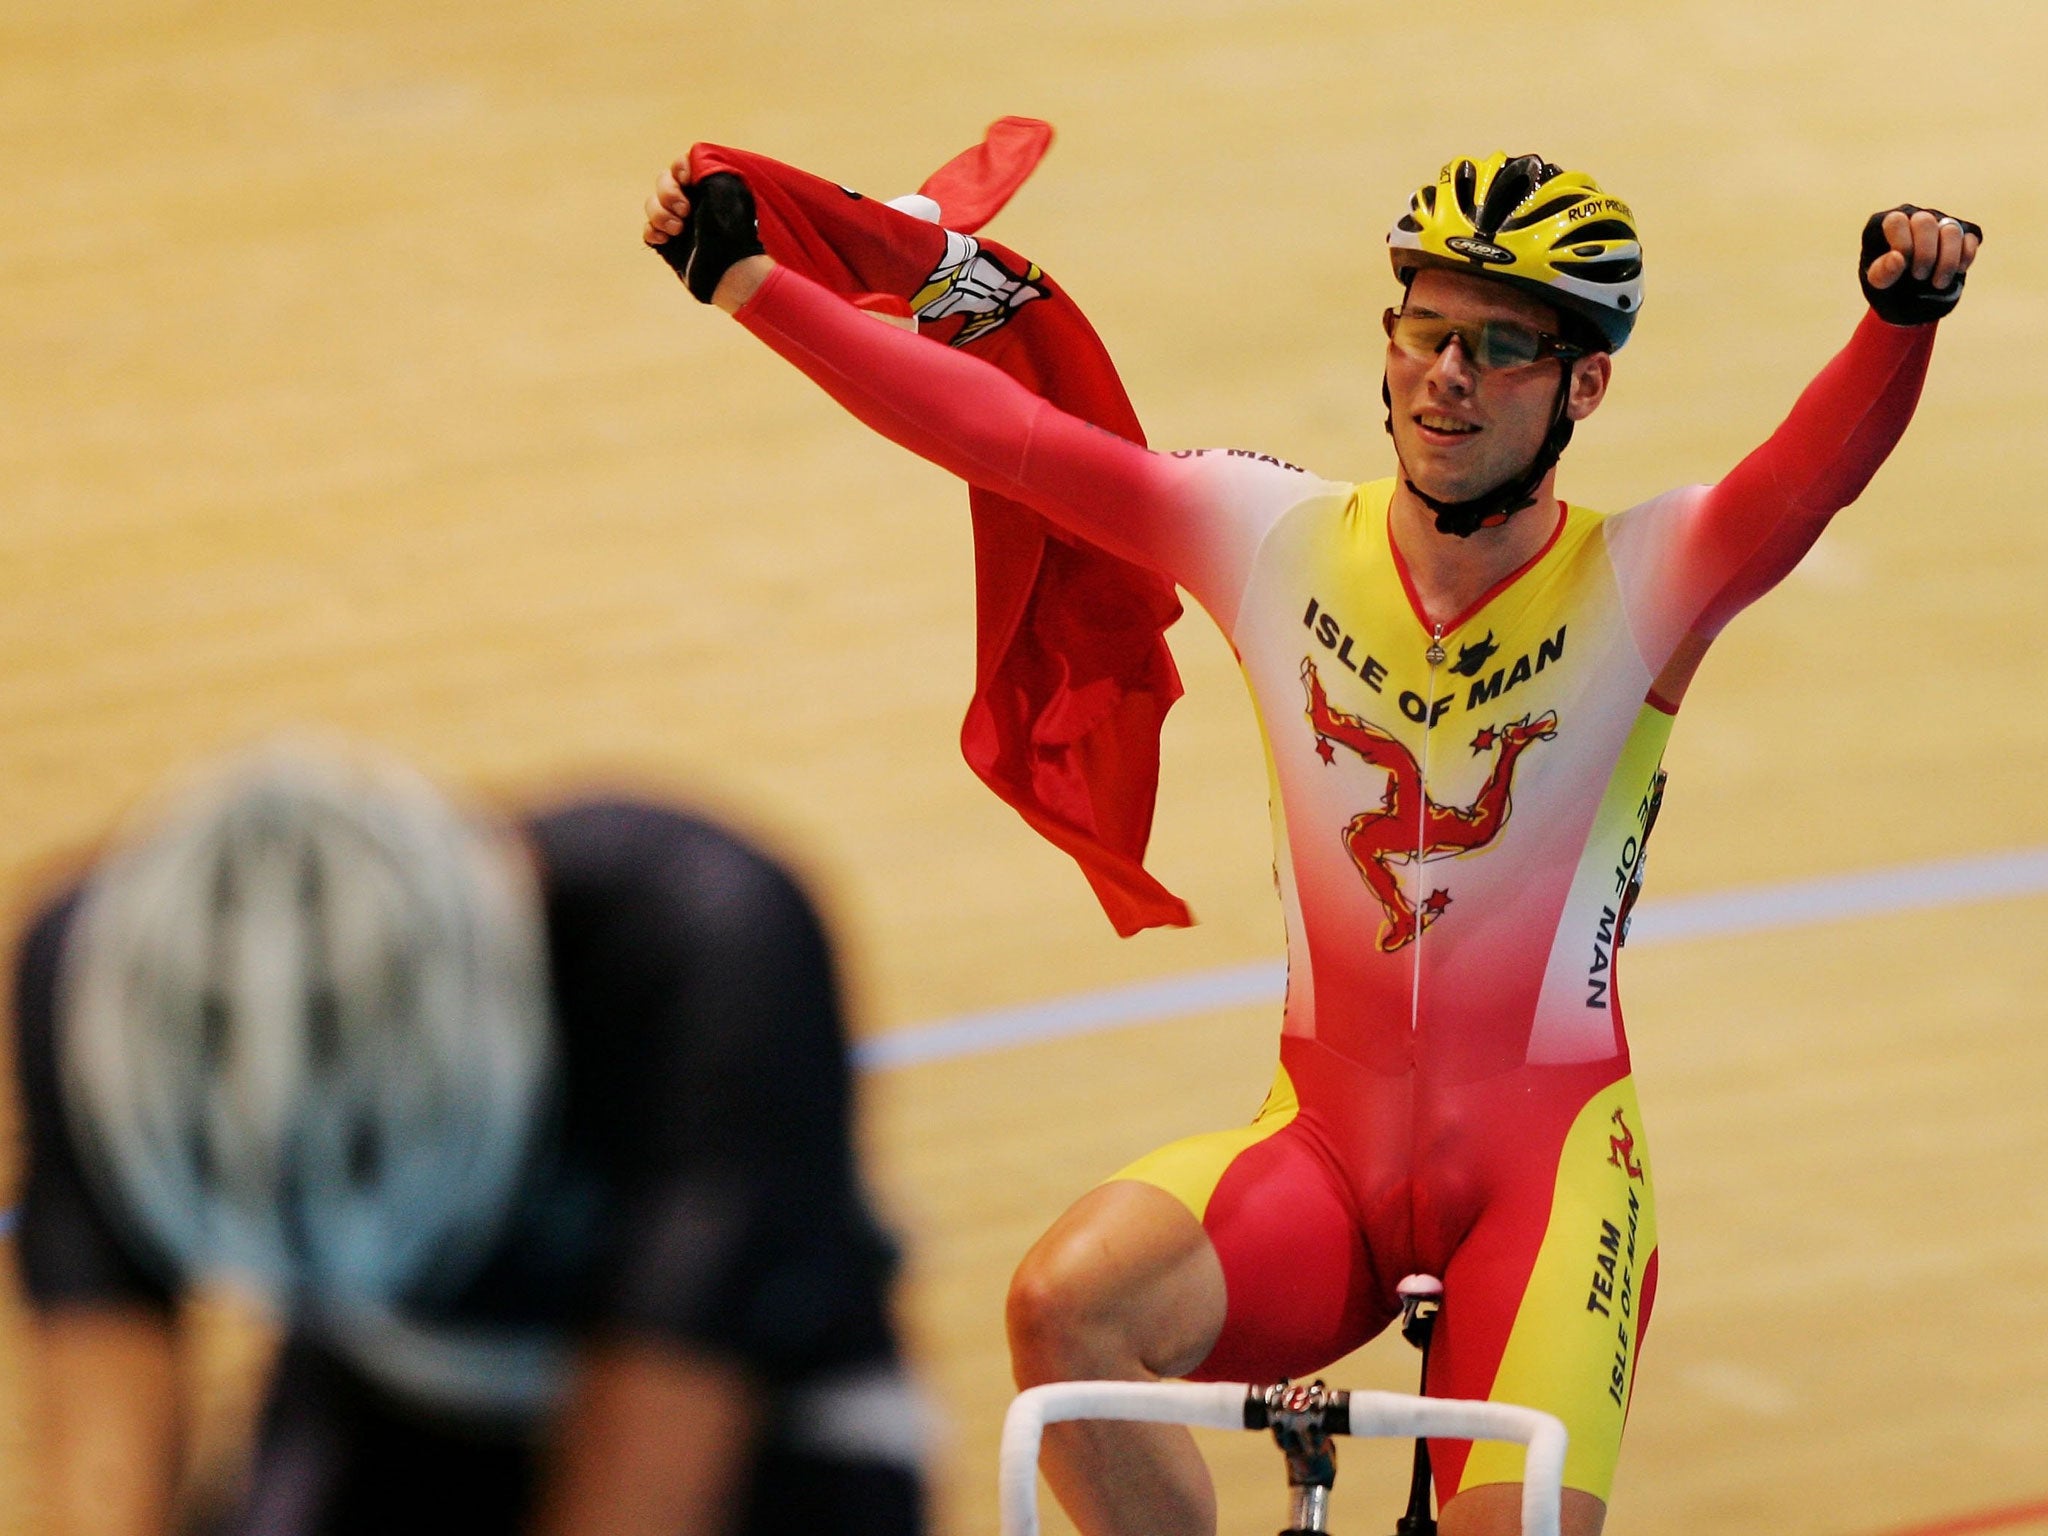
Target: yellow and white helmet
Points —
{"points": [[1528, 222]]}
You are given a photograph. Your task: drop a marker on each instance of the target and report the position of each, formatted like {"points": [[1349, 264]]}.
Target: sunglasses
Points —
{"points": [[1489, 345]]}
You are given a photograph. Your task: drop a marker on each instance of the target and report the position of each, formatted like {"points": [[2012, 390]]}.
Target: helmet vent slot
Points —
{"points": [[1465, 184], [1513, 185], [199, 1150], [1542, 211], [1599, 229], [1624, 269], [323, 1025], [365, 1154], [221, 889], [312, 880], [213, 1030]]}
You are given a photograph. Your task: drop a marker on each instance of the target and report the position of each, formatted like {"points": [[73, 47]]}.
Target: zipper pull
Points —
{"points": [[1435, 654]]}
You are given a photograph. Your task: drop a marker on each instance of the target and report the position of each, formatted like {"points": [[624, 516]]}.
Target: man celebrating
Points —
{"points": [[1466, 686]]}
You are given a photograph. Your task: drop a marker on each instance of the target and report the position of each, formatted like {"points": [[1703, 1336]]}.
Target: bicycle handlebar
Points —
{"points": [[1234, 1405]]}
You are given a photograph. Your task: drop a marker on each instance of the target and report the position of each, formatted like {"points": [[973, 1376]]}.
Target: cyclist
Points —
{"points": [[1466, 685], [536, 1136]]}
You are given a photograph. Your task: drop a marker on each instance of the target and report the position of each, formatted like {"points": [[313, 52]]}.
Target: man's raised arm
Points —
{"points": [[1749, 531], [942, 404]]}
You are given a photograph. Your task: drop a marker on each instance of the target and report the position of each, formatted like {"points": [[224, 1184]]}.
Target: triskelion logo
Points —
{"points": [[1621, 1150], [1378, 840], [968, 281]]}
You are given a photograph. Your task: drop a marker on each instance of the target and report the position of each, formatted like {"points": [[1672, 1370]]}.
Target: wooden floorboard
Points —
{"points": [[338, 392]]}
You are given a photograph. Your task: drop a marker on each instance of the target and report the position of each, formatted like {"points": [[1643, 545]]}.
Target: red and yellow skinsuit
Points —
{"points": [[1457, 810]]}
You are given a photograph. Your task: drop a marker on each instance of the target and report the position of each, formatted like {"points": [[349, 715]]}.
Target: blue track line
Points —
{"points": [[1747, 909]]}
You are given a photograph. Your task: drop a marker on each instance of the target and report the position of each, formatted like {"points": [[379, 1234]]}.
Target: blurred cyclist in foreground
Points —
{"points": [[536, 1137]]}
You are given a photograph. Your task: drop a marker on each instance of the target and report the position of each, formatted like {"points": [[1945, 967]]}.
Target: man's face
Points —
{"points": [[1462, 431]]}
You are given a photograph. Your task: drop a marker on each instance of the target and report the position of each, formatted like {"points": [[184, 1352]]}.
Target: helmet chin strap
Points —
{"points": [[1491, 508]]}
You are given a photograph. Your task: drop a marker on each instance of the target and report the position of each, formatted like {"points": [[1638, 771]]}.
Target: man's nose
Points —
{"points": [[1452, 368]]}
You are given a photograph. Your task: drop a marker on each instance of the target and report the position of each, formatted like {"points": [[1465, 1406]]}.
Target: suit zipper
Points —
{"points": [[1435, 657]]}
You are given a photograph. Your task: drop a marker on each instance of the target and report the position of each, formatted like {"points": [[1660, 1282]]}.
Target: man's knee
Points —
{"points": [[1071, 1306], [1047, 1314], [1124, 1285], [1495, 1509]]}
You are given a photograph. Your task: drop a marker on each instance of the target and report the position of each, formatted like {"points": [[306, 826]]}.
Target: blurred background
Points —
{"points": [[337, 389]]}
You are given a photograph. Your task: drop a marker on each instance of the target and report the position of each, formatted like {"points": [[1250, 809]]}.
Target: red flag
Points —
{"points": [[1072, 675]]}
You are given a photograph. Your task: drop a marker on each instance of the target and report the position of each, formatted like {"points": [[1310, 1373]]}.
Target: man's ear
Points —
{"points": [[1589, 385]]}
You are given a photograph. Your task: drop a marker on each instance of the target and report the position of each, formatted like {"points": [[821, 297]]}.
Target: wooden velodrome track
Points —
{"points": [[338, 390]]}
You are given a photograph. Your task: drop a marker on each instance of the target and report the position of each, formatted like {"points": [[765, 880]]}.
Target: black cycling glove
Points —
{"points": [[1911, 300], [720, 230]]}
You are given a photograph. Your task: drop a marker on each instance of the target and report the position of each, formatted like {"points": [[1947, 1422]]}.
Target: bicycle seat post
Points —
{"points": [[1422, 1297], [1303, 1419]]}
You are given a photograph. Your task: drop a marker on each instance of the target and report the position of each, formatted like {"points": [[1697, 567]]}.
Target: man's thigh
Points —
{"points": [[1299, 1290], [1547, 1299]]}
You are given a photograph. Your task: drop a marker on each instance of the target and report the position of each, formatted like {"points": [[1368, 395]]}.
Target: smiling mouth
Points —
{"points": [[1445, 426]]}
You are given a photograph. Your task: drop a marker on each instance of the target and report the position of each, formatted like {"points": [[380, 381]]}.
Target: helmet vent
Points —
{"points": [[213, 1030], [1513, 184], [1599, 229], [221, 891], [1542, 211], [199, 1150], [312, 882], [1465, 185], [1624, 269], [365, 1154], [323, 1025]]}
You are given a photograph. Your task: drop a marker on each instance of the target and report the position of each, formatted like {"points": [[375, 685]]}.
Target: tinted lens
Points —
{"points": [[1489, 344], [1419, 336], [1503, 344]]}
